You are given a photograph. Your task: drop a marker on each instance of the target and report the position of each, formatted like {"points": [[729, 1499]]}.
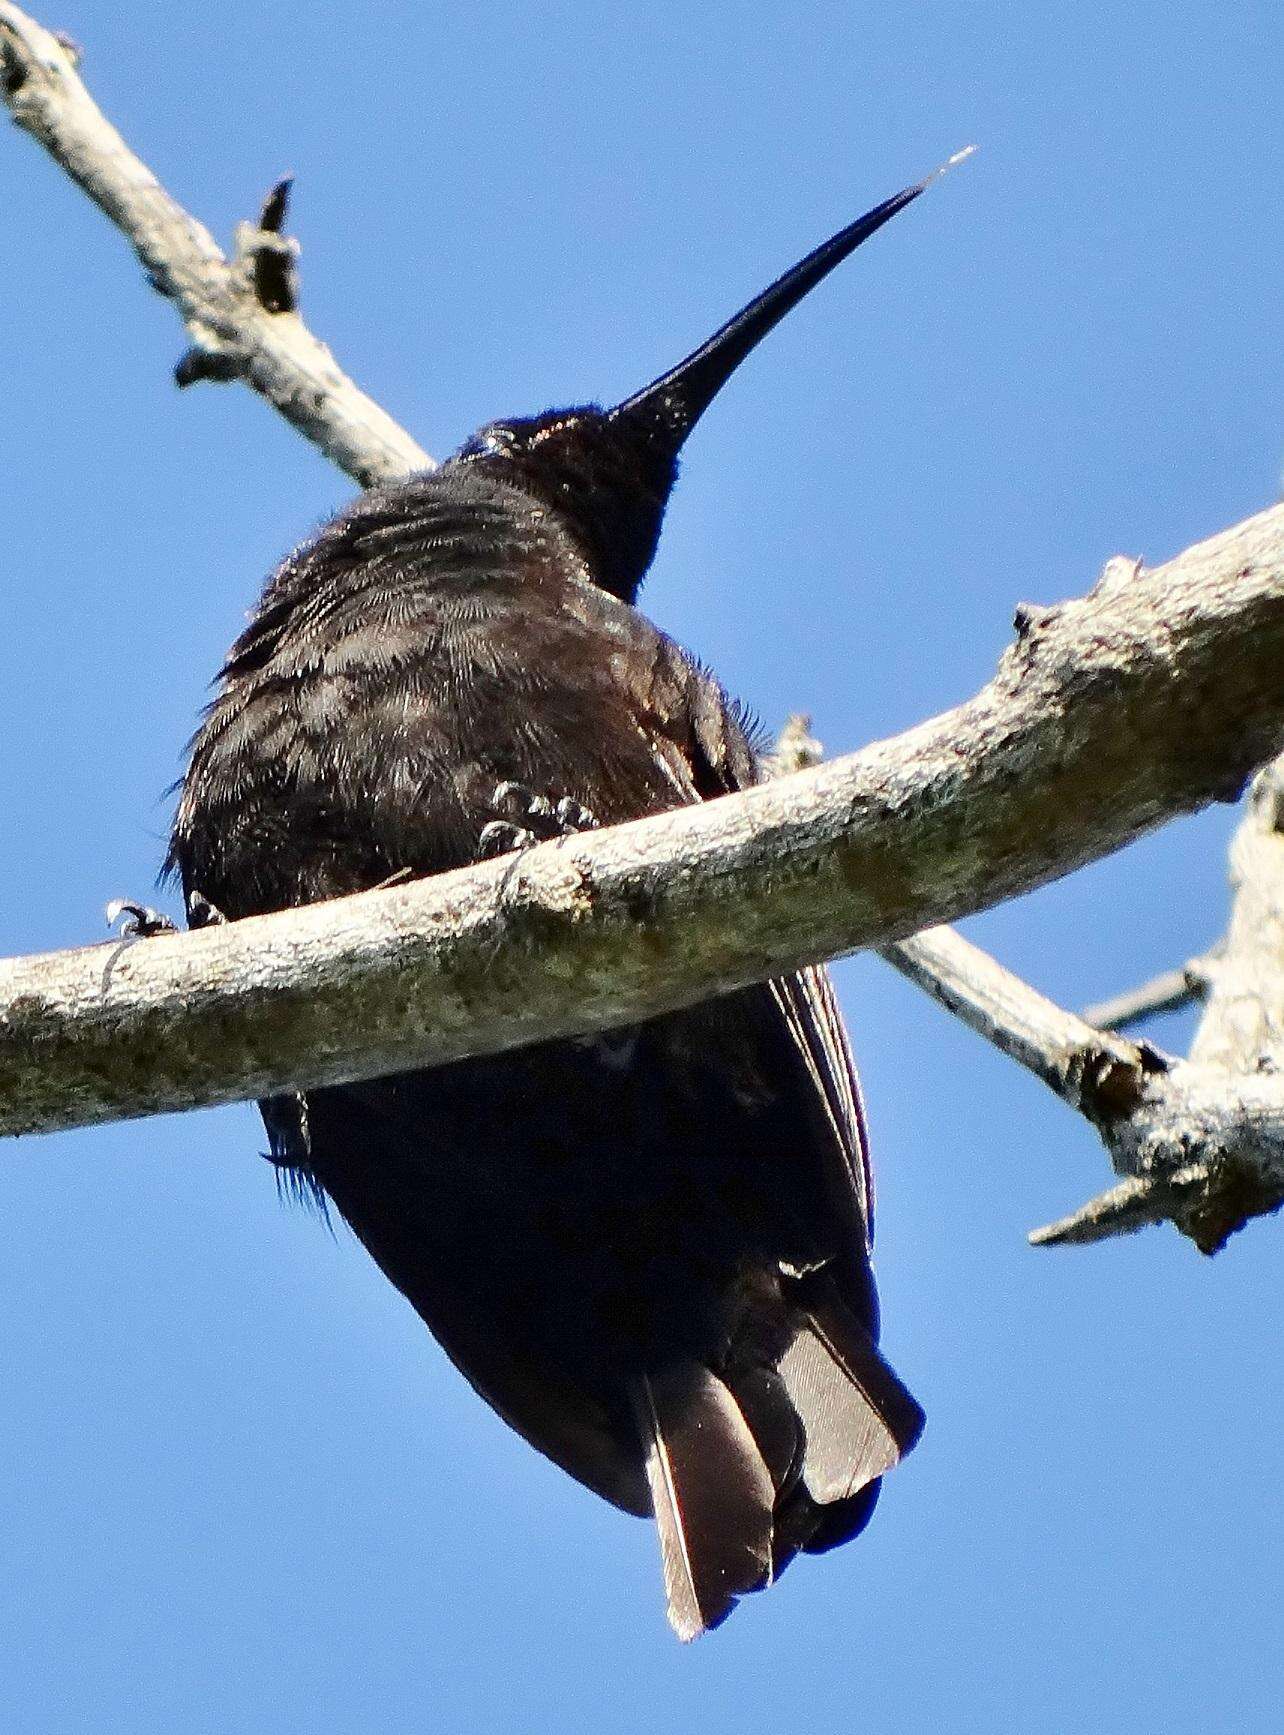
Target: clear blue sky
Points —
{"points": [[240, 1489]]}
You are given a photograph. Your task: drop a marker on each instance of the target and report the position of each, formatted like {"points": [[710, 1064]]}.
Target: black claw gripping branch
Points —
{"points": [[649, 1251]]}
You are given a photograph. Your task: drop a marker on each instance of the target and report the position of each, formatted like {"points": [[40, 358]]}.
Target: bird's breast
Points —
{"points": [[370, 737]]}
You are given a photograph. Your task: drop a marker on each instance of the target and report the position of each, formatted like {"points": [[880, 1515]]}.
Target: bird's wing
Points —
{"points": [[723, 761], [810, 1010]]}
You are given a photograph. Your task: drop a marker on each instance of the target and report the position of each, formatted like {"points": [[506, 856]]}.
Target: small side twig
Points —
{"points": [[1099, 1074], [271, 254], [239, 313], [1134, 1204], [1167, 992], [795, 748]]}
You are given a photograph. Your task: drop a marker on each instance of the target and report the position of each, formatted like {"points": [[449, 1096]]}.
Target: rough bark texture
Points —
{"points": [[1242, 1029], [1154, 694], [237, 323]]}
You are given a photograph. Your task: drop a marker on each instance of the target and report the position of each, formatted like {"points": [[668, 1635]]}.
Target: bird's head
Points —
{"points": [[609, 473], [607, 478]]}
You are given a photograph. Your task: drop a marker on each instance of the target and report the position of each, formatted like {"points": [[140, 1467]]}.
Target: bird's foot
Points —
{"points": [[530, 819], [141, 922], [201, 913]]}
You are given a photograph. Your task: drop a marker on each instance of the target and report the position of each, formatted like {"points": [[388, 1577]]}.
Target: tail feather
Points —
{"points": [[858, 1417], [773, 1422], [748, 1469], [711, 1491], [842, 1520]]}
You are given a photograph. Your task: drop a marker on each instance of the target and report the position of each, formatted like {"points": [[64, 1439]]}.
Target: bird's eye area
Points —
{"points": [[493, 441], [520, 437]]}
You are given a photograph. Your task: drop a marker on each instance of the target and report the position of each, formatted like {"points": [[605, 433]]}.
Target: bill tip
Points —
{"points": [[947, 165]]}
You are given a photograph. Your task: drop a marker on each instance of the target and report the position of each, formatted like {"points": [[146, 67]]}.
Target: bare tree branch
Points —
{"points": [[1200, 1142], [1242, 1029], [1154, 694], [1167, 992], [1143, 1113], [1122, 1087], [1201, 1145], [1222, 1159], [238, 331], [1098, 1074]]}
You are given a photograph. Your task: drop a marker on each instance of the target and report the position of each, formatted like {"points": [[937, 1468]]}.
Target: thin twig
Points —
{"points": [[1136, 1203], [1167, 992], [235, 332]]}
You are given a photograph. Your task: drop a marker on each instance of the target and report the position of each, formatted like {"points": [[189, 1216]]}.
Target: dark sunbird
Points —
{"points": [[649, 1248]]}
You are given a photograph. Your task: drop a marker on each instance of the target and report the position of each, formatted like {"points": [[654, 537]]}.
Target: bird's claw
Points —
{"points": [[530, 819], [142, 923], [574, 816], [500, 837], [201, 913]]}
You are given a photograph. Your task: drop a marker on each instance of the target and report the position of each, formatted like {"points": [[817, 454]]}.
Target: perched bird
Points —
{"points": [[648, 1249]]}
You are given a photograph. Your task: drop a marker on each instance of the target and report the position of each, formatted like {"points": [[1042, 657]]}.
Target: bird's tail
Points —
{"points": [[752, 1464]]}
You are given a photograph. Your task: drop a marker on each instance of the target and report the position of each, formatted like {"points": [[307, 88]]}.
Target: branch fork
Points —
{"points": [[234, 333], [1199, 1147]]}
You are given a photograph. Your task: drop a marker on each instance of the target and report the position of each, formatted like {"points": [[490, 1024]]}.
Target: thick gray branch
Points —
{"points": [[1242, 1029], [234, 333], [1154, 694]]}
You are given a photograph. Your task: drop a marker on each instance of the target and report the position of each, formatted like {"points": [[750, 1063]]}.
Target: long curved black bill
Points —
{"points": [[675, 402]]}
